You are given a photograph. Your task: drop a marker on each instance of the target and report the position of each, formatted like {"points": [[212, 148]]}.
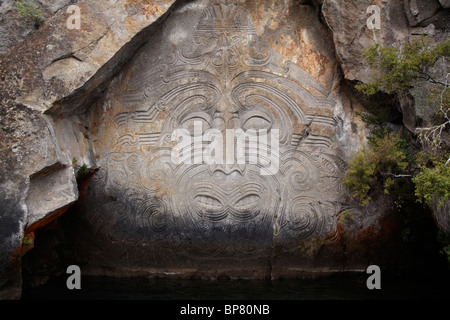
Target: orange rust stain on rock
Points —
{"points": [[49, 218], [286, 35], [303, 55], [314, 63], [371, 237], [149, 8]]}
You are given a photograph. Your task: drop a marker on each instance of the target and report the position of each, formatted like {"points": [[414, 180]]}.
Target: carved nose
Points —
{"points": [[227, 123], [226, 120]]}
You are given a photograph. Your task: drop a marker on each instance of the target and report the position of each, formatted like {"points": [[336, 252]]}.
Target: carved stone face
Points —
{"points": [[223, 78]]}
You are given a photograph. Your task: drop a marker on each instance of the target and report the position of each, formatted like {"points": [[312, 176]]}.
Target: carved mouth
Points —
{"points": [[208, 203], [242, 202], [230, 199], [247, 202]]}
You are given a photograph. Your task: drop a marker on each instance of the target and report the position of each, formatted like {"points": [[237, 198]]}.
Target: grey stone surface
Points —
{"points": [[441, 212], [419, 12], [348, 23], [12, 27], [445, 3], [141, 70], [36, 71], [398, 20], [25, 147], [219, 65], [51, 189]]}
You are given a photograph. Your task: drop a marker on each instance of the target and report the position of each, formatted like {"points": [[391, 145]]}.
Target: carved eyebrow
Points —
{"points": [[267, 92]]}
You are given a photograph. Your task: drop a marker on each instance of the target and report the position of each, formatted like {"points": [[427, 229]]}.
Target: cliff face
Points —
{"points": [[356, 25], [49, 65], [109, 100]]}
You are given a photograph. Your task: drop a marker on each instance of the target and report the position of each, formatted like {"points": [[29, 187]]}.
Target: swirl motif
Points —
{"points": [[154, 216], [304, 218], [228, 78], [301, 173]]}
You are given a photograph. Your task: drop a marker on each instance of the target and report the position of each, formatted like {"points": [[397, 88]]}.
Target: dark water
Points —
{"points": [[336, 287]]}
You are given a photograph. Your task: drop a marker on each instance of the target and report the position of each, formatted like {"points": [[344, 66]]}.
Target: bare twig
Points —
{"points": [[432, 136], [397, 175]]}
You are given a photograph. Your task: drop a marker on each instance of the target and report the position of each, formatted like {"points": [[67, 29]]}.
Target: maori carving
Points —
{"points": [[224, 78]]}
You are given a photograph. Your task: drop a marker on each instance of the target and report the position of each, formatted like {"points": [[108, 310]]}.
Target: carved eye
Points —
{"points": [[257, 122], [202, 120]]}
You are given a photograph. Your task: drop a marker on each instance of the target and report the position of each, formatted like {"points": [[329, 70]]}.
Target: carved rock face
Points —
{"points": [[210, 76]]}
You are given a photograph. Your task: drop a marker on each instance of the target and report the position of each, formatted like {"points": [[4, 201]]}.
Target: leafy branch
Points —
{"points": [[396, 72]]}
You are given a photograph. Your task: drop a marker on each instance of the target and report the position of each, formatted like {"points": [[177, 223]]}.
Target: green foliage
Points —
{"points": [[360, 175], [371, 118], [377, 165], [433, 180], [345, 217], [407, 235], [27, 240], [396, 69], [276, 230], [74, 161], [389, 161], [30, 12], [83, 169], [405, 146]]}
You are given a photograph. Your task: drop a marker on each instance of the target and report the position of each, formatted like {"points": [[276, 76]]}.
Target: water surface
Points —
{"points": [[336, 287]]}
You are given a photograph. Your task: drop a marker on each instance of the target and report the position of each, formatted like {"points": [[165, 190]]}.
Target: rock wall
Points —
{"points": [[356, 25], [50, 64], [230, 68], [12, 27], [113, 96], [353, 31]]}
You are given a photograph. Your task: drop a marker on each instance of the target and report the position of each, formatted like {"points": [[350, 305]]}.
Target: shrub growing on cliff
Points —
{"points": [[376, 165], [360, 175], [396, 71], [83, 169], [433, 180], [30, 13]]}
